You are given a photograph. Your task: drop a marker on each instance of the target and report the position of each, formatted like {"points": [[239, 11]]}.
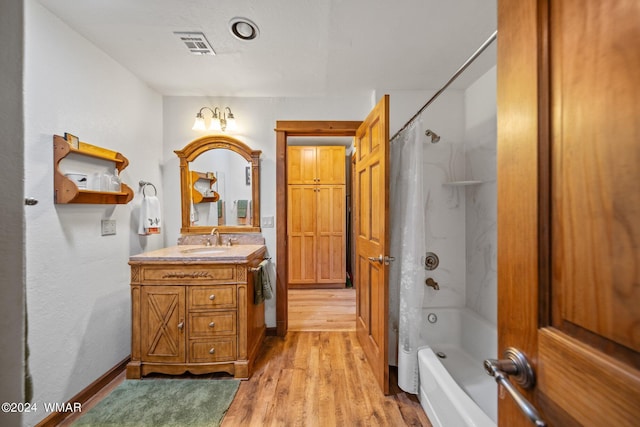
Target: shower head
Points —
{"points": [[434, 136]]}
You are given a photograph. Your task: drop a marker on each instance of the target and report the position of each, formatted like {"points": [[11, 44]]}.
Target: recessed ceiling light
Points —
{"points": [[243, 29]]}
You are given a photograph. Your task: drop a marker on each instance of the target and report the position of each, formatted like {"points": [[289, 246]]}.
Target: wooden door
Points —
{"points": [[371, 229], [330, 164], [331, 249], [569, 206], [162, 323], [301, 165], [301, 226]]}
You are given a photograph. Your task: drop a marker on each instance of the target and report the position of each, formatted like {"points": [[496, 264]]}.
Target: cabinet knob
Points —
{"points": [[212, 324], [181, 325], [212, 297], [212, 350]]}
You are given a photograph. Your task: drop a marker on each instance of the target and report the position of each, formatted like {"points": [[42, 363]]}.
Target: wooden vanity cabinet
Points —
{"points": [[197, 318]]}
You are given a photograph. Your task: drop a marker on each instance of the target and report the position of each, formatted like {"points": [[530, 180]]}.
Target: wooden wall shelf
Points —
{"points": [[198, 197], [66, 191]]}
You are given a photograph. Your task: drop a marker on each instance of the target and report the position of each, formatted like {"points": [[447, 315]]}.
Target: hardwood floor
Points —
{"points": [[313, 377], [322, 309], [319, 379], [318, 375]]}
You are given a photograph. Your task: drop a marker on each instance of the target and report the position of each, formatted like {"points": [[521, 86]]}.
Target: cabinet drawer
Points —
{"points": [[208, 297], [212, 350], [189, 274], [208, 324]]}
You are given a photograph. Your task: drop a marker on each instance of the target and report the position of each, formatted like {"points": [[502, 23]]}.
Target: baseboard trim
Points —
{"points": [[87, 393], [272, 332]]}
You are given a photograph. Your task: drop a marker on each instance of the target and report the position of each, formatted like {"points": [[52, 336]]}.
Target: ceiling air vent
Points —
{"points": [[197, 43]]}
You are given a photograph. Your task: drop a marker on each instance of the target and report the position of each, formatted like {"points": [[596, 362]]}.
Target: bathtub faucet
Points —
{"points": [[432, 283]]}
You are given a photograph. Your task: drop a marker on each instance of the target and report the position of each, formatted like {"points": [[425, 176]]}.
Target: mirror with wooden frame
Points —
{"points": [[219, 186]]}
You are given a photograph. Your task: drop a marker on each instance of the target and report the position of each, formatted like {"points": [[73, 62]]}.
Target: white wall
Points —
{"points": [[78, 298], [256, 119], [481, 200], [11, 210]]}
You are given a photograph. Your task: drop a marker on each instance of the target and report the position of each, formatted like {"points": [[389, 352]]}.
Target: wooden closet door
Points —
{"points": [[301, 165], [301, 225], [330, 165], [331, 267]]}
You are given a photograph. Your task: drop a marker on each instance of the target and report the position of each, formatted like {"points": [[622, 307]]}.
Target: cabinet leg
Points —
{"points": [[241, 370], [134, 371]]}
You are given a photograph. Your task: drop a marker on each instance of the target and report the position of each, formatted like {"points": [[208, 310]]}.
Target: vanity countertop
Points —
{"points": [[201, 254]]}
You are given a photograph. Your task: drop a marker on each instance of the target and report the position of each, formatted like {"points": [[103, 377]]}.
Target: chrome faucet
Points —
{"points": [[432, 283], [214, 232]]}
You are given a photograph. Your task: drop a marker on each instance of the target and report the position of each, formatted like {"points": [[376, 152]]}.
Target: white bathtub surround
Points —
{"points": [[445, 219], [481, 200], [455, 390]]}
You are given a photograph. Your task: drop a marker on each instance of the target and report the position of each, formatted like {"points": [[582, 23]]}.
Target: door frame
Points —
{"points": [[285, 129]]}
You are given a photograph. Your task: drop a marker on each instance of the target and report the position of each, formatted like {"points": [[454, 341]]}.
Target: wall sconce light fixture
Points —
{"points": [[220, 120]]}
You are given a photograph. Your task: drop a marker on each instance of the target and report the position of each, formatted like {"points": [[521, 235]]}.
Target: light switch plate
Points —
{"points": [[267, 221], [108, 227]]}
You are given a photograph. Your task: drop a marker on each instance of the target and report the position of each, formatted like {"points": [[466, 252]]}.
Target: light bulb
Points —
{"points": [[198, 124], [231, 124], [215, 124]]}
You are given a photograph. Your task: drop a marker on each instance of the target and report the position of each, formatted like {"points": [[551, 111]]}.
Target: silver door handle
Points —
{"points": [[517, 365], [382, 259]]}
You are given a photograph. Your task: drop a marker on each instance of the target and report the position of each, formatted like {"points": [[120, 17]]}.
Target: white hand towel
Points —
{"points": [[150, 221]]}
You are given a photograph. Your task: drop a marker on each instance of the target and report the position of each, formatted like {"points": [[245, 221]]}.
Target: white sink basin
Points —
{"points": [[212, 250]]}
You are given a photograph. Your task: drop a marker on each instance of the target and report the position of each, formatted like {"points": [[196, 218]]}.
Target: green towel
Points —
{"points": [[261, 284], [242, 208], [219, 208]]}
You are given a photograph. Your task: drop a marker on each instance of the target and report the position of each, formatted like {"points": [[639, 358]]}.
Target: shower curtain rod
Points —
{"points": [[455, 76]]}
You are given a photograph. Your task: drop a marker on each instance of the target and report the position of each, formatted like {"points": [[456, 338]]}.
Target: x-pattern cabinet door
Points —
{"points": [[163, 323]]}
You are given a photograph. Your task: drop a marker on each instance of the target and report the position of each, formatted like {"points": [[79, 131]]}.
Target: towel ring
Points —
{"points": [[144, 184]]}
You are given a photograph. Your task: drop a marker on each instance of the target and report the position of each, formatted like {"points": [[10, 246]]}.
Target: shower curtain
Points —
{"points": [[407, 273]]}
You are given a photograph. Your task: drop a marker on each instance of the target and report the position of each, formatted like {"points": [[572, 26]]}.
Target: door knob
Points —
{"points": [[382, 259], [379, 259], [516, 365]]}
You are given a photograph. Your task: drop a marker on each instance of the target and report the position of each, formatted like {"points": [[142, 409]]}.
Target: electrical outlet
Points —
{"points": [[108, 227], [267, 221]]}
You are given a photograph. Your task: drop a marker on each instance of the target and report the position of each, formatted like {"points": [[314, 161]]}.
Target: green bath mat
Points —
{"points": [[163, 403]]}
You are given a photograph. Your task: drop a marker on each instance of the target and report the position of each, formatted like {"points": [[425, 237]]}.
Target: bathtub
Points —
{"points": [[455, 390]]}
